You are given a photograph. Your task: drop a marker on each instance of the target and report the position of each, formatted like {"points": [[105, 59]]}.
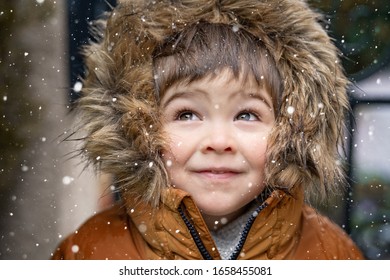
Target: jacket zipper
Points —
{"points": [[244, 234], [195, 235]]}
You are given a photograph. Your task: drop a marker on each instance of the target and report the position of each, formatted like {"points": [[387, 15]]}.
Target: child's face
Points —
{"points": [[218, 130]]}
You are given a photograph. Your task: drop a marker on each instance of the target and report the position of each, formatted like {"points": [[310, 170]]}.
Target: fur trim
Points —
{"points": [[119, 107]]}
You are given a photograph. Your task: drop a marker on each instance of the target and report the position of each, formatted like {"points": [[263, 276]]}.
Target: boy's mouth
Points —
{"points": [[218, 170], [218, 173]]}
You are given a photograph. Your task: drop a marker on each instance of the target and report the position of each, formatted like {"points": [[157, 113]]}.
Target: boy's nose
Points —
{"points": [[219, 140]]}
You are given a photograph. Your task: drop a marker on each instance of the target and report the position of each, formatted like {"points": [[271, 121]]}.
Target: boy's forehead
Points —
{"points": [[237, 87], [222, 76]]}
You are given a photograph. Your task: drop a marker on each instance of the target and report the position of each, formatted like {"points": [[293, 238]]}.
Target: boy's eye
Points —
{"points": [[246, 116], [187, 116]]}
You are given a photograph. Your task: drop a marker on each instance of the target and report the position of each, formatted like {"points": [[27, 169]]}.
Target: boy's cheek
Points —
{"points": [[171, 157], [167, 158], [176, 143]]}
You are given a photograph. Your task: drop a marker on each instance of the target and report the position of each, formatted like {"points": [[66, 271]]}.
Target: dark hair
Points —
{"points": [[204, 48]]}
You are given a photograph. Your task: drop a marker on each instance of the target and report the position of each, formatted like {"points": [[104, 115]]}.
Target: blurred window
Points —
{"points": [[370, 174], [80, 15]]}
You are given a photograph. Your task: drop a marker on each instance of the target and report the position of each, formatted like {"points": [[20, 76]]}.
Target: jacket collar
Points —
{"points": [[273, 234]]}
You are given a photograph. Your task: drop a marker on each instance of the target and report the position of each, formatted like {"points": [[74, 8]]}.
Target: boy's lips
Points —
{"points": [[217, 173]]}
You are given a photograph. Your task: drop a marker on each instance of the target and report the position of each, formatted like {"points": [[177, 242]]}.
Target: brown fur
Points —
{"points": [[119, 106]]}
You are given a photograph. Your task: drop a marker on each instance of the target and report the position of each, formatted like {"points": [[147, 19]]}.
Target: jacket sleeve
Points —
{"points": [[64, 250], [323, 239], [105, 236]]}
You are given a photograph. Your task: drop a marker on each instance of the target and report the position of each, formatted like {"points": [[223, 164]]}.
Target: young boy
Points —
{"points": [[217, 119]]}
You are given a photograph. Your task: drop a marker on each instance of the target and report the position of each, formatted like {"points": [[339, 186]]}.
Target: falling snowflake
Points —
{"points": [[235, 28], [290, 110], [66, 180], [75, 248], [142, 228], [78, 86], [25, 168]]}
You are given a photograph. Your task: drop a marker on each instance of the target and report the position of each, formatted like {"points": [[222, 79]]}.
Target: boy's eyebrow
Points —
{"points": [[178, 94], [261, 97], [256, 95]]}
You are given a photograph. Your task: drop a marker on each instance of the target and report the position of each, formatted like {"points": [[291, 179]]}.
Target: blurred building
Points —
{"points": [[44, 192]]}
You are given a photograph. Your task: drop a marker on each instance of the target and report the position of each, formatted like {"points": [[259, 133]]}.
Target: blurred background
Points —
{"points": [[46, 193]]}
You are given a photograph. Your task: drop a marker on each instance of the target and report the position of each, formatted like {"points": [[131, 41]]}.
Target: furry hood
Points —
{"points": [[119, 108]]}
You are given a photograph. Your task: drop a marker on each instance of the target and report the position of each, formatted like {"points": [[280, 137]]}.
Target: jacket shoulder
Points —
{"points": [[323, 239], [106, 235]]}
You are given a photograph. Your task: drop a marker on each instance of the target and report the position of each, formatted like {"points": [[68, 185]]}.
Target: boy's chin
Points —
{"points": [[221, 216]]}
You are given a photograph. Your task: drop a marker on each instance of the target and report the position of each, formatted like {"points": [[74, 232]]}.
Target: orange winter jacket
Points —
{"points": [[283, 228]]}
